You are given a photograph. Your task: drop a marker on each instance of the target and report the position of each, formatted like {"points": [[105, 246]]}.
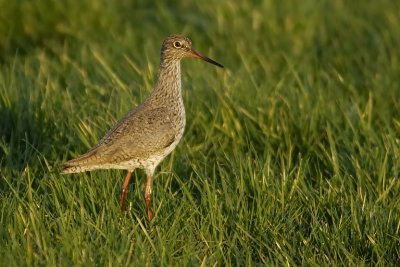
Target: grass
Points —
{"points": [[291, 154]]}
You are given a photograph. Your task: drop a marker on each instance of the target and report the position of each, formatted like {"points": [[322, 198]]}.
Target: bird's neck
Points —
{"points": [[169, 80]]}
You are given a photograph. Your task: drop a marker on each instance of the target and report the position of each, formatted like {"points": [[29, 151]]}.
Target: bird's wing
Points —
{"points": [[138, 134]]}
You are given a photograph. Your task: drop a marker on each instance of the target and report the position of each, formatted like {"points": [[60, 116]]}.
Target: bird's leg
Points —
{"points": [[124, 191], [147, 197]]}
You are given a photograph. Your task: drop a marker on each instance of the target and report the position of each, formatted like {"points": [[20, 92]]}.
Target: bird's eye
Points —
{"points": [[177, 44]]}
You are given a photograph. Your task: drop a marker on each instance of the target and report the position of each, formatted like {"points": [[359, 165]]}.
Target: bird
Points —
{"points": [[151, 131]]}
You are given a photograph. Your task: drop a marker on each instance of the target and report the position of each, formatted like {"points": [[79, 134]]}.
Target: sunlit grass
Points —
{"points": [[290, 156]]}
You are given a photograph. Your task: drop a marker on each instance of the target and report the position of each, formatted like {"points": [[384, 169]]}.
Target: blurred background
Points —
{"points": [[291, 153]]}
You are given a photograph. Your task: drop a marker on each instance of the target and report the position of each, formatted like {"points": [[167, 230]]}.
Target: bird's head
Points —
{"points": [[176, 47]]}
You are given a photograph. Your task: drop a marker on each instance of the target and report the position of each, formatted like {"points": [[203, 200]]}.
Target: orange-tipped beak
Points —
{"points": [[195, 54]]}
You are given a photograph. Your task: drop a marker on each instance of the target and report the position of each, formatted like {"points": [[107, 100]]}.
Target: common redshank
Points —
{"points": [[148, 133]]}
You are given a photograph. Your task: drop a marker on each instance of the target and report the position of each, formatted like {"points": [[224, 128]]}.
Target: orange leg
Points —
{"points": [[124, 191], [147, 197]]}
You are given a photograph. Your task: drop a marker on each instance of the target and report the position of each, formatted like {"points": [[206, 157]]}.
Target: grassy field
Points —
{"points": [[291, 154]]}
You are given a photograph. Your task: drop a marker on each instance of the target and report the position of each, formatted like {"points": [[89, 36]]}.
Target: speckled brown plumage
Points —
{"points": [[148, 133]]}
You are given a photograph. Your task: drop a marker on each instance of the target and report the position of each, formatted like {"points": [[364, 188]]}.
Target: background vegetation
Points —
{"points": [[291, 153]]}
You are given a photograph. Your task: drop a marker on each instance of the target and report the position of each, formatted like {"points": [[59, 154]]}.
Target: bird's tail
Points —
{"points": [[85, 162], [74, 168]]}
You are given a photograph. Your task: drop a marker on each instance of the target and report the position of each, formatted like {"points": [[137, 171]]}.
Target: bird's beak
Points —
{"points": [[195, 54]]}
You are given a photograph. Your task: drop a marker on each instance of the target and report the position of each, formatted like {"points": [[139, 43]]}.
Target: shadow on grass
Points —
{"points": [[24, 136]]}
